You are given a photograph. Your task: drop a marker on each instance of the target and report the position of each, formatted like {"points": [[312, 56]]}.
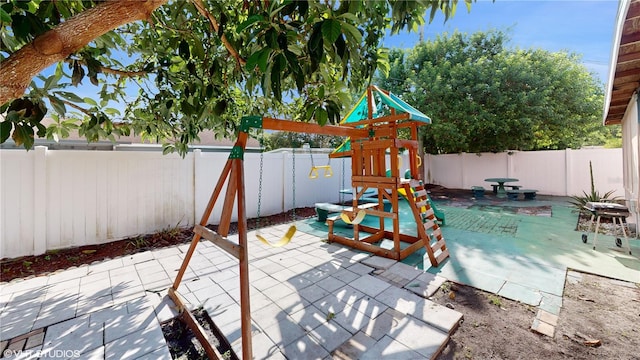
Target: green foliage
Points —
{"points": [[137, 243], [495, 300], [486, 97], [579, 201], [192, 75]]}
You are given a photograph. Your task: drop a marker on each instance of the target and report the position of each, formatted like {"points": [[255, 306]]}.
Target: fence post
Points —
{"points": [[568, 178], [197, 157], [40, 200]]}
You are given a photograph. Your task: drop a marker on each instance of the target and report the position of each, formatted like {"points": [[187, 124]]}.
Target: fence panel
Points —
{"points": [[17, 182], [57, 199], [557, 172], [545, 171]]}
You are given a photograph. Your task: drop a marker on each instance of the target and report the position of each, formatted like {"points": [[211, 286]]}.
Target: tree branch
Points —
{"points": [[111, 71], [202, 9], [69, 103], [58, 43]]}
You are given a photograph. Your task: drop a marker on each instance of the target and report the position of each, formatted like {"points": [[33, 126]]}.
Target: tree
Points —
{"points": [[484, 96], [198, 64]]}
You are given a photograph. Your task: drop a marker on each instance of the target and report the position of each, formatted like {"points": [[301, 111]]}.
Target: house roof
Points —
{"points": [[624, 67]]}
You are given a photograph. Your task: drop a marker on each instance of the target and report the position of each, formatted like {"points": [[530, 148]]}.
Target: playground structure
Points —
{"points": [[370, 137]]}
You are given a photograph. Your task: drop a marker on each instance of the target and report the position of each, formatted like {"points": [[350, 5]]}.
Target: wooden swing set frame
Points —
{"points": [[370, 140]]}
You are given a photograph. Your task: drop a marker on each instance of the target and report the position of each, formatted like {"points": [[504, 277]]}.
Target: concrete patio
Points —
{"points": [[309, 299]]}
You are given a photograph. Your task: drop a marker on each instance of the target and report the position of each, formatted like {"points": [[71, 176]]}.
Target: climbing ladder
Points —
{"points": [[430, 231]]}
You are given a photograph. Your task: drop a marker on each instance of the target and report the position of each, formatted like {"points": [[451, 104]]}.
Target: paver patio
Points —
{"points": [[309, 299]]}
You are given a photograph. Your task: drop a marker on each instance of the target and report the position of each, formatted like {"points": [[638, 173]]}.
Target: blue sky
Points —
{"points": [[583, 27]]}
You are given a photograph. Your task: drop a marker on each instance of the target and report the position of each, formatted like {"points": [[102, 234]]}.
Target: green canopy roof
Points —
{"points": [[378, 97], [359, 111]]}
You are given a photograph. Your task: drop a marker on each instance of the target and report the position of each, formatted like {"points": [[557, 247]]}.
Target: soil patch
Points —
{"points": [[183, 344], [594, 308]]}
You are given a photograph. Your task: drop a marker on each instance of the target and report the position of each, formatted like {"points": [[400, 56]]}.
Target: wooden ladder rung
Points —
{"points": [[429, 213], [420, 193], [442, 256], [437, 232], [429, 224], [440, 244]]}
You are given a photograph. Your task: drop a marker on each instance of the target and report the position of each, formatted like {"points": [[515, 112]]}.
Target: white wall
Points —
{"points": [[559, 172], [631, 156], [53, 199]]}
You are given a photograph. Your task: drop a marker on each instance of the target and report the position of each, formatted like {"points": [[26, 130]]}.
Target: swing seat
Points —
{"points": [[313, 174], [344, 216], [283, 240]]}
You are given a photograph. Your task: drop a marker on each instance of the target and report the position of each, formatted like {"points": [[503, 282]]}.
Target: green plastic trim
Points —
{"points": [[248, 122], [237, 152]]}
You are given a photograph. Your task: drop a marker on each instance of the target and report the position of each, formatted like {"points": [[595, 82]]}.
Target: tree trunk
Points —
{"points": [[70, 36]]}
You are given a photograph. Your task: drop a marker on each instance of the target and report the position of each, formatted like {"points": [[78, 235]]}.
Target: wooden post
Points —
{"points": [[245, 303]]}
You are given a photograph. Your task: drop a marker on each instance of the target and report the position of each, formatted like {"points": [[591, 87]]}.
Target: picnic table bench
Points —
{"points": [[499, 188], [529, 194], [513, 187]]}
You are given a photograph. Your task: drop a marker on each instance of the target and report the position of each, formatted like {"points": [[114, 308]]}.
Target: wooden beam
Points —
{"points": [[364, 246], [229, 200], [196, 328], [245, 297], [410, 249], [310, 128], [223, 243]]}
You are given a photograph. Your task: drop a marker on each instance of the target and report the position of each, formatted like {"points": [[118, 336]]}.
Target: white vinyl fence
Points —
{"points": [[52, 199], [557, 172]]}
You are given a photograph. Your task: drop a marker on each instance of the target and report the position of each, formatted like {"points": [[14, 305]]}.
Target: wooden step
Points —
{"points": [[443, 255], [429, 224], [420, 193]]}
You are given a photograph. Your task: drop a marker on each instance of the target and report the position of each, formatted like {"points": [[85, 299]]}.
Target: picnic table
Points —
{"points": [[498, 188]]}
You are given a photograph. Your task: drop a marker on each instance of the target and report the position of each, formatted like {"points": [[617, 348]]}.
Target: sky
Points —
{"points": [[583, 27]]}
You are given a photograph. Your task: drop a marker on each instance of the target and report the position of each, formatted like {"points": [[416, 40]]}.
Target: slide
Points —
{"points": [[437, 212]]}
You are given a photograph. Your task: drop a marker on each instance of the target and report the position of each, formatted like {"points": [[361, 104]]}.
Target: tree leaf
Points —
{"points": [[58, 105], [250, 21], [353, 32], [69, 96], [260, 59], [5, 130], [5, 18], [90, 101], [331, 29]]}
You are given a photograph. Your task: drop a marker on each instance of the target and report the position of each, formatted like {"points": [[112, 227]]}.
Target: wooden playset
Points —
{"points": [[373, 135]]}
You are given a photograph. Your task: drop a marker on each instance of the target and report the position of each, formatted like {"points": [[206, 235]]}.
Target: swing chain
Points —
{"points": [[260, 180], [311, 156]]}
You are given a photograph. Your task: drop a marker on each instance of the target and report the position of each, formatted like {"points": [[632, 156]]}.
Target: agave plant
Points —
{"points": [[579, 201]]}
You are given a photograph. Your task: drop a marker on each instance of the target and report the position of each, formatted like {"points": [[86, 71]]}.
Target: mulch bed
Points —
{"points": [[54, 260]]}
